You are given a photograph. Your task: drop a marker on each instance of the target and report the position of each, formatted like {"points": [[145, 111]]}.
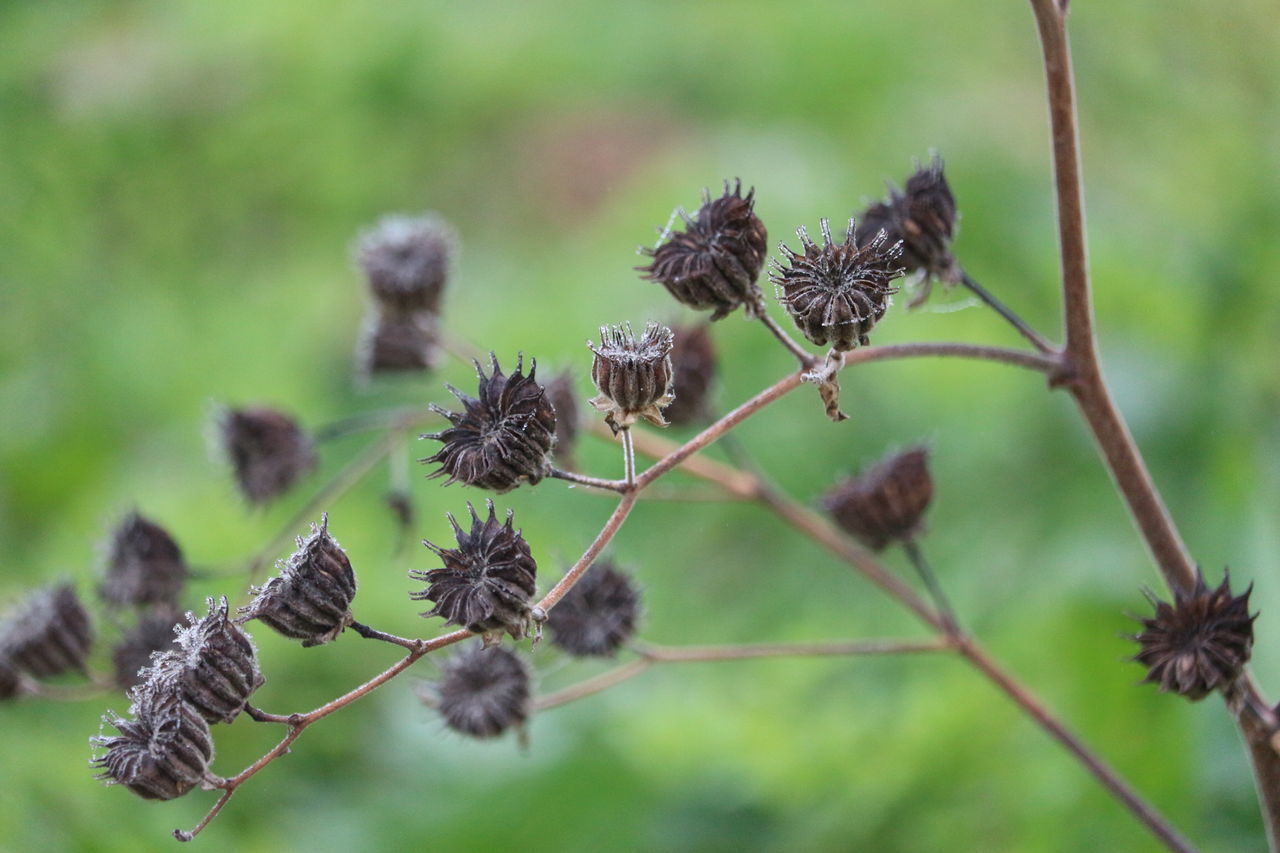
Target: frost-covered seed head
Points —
{"points": [[48, 633], [633, 375], [407, 260]]}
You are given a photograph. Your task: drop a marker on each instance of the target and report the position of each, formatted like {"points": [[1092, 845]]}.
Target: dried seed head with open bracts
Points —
{"points": [[500, 438], [484, 691], [267, 449], [153, 634], [145, 565], [48, 633], [598, 614], [885, 503], [923, 218], [406, 260], [633, 375], [1199, 643], [693, 362], [160, 755], [836, 292], [310, 600], [714, 262], [487, 582]]}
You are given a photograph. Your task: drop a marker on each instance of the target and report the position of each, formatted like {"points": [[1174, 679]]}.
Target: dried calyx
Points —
{"points": [[633, 375], [267, 449], [484, 691], [693, 362], [397, 343], [886, 502], [145, 566], [406, 261], [598, 614], [564, 402], [153, 633], [162, 753], [47, 634]]}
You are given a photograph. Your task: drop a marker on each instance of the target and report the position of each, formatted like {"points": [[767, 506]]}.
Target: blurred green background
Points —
{"points": [[180, 183]]}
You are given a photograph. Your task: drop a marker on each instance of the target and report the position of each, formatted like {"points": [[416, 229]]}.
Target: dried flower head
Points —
{"points": [[153, 634], [145, 565], [501, 438], [310, 600], [598, 614], [10, 682], [836, 292], [267, 449], [406, 260], [886, 502], [634, 376], [396, 343], [1199, 643], [484, 691], [693, 361], [48, 634], [486, 582], [564, 401], [160, 755], [923, 218]]}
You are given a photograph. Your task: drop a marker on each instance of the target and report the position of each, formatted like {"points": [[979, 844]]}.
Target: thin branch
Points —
{"points": [[585, 480], [930, 579], [628, 459], [591, 686], [402, 418], [807, 359], [374, 634], [1007, 313], [603, 538]]}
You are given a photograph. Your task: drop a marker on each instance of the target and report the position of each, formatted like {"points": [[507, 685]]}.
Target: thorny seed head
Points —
{"points": [[1199, 643], [714, 262], [406, 260], [267, 449], [693, 360], [484, 691], [634, 376], [836, 292], [48, 633], [145, 565], [500, 438], [160, 755], [486, 582], [923, 218], [153, 634], [310, 600], [885, 503], [396, 343], [10, 682], [564, 401], [598, 615]]}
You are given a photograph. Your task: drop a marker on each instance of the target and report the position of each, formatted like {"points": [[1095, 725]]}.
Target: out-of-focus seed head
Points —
{"points": [[310, 600], [1199, 643], [160, 755], [885, 503], [153, 634], [10, 681], [49, 633], [145, 565], [407, 261], [713, 264], [484, 691], [633, 375], [396, 343], [501, 438], [598, 614], [564, 401], [693, 360], [837, 292], [486, 583], [268, 451], [923, 218]]}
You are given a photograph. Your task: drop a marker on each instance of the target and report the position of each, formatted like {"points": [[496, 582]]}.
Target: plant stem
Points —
{"points": [[807, 359], [940, 601], [628, 459], [584, 480], [374, 634], [606, 534], [1004, 311]]}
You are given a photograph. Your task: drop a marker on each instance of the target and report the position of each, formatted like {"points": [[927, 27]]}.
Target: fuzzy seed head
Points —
{"points": [[693, 360], [484, 691], [47, 634], [598, 615], [396, 343], [633, 375], [268, 451], [406, 260], [145, 565], [161, 754], [885, 503], [153, 634], [923, 218]]}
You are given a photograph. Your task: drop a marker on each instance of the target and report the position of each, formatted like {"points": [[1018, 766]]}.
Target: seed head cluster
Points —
{"points": [[633, 375]]}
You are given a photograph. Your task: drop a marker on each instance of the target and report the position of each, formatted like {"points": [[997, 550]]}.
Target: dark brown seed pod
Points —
{"points": [[268, 451], [714, 263], [501, 438], [154, 633], [48, 634], [693, 361], [634, 376], [1199, 643], [564, 401], [407, 260], [160, 755], [484, 691], [885, 503], [397, 343], [310, 600], [836, 292], [10, 681], [145, 565], [598, 615], [923, 219], [486, 583]]}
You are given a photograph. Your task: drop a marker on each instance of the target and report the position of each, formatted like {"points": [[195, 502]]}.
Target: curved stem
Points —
{"points": [[1034, 337], [585, 480], [610, 529], [807, 359], [926, 573]]}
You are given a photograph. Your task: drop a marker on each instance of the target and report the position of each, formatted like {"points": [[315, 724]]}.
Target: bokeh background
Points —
{"points": [[180, 185]]}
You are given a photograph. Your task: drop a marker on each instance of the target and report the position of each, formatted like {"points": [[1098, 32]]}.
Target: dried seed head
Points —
{"points": [[1199, 643], [564, 401], [486, 582], [10, 683], [145, 565], [633, 375], [407, 260], [160, 755], [886, 502], [715, 261], [501, 438], [48, 634], [836, 292], [267, 449], [396, 343], [310, 600], [484, 691], [693, 361], [153, 634], [923, 218], [598, 614]]}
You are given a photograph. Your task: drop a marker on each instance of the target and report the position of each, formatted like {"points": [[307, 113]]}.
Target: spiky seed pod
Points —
{"points": [[487, 581], [1199, 643], [836, 292], [564, 400], [886, 502], [396, 343], [48, 634], [598, 614], [501, 438], [145, 565], [714, 262], [268, 451], [406, 260], [634, 376], [160, 755], [310, 600], [693, 361], [923, 218], [10, 683], [153, 634], [484, 691]]}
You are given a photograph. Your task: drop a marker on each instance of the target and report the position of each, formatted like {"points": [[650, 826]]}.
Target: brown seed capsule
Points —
{"points": [[406, 260], [397, 343], [47, 634], [153, 634], [145, 566], [633, 375], [501, 438], [598, 614], [10, 682], [835, 292], [923, 218], [160, 755], [484, 692], [310, 600], [1199, 643], [714, 262], [487, 581], [268, 451], [886, 503], [693, 360], [564, 400]]}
